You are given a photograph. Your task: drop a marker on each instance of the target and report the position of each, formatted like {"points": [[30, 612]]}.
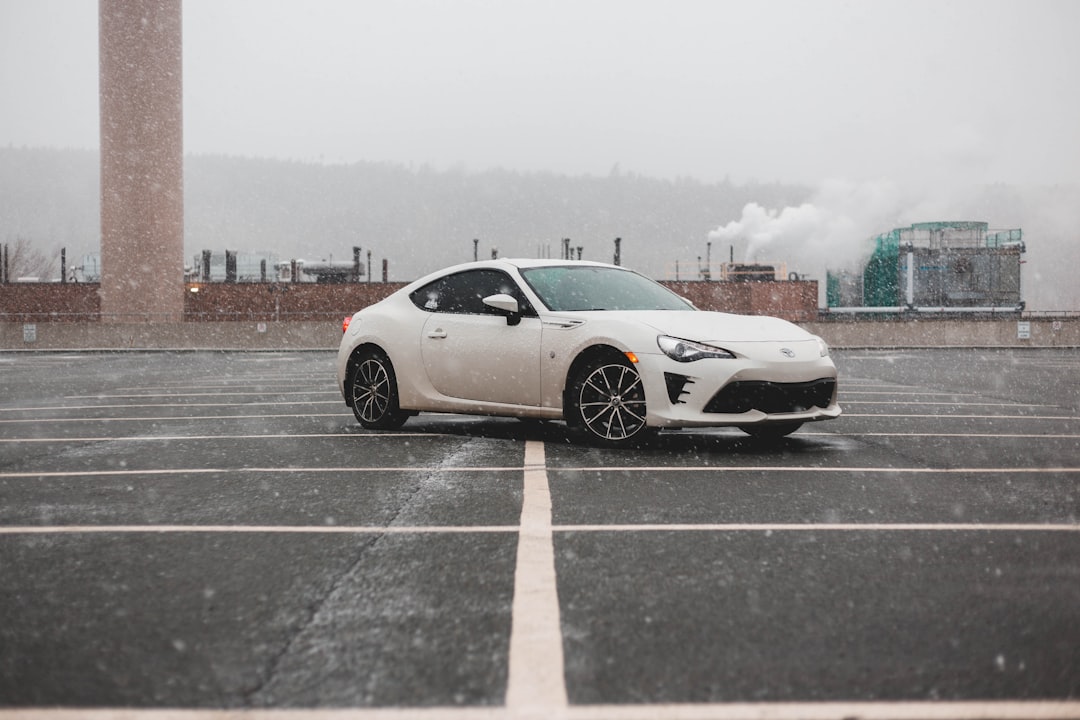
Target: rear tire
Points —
{"points": [[771, 431], [373, 392], [607, 402]]}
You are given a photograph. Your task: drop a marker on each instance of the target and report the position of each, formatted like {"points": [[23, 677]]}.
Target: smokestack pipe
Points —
{"points": [[618, 251], [369, 266], [475, 249], [230, 266], [356, 263], [63, 265], [385, 270], [206, 266]]}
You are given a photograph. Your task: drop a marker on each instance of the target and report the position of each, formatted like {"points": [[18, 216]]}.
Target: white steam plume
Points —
{"points": [[828, 233], [834, 230]]}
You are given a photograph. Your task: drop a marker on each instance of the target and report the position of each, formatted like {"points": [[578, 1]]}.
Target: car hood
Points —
{"points": [[714, 327]]}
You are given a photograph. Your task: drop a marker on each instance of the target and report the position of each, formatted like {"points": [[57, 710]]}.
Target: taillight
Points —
{"points": [[345, 324]]}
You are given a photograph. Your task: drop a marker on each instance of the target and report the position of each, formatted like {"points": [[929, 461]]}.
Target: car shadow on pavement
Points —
{"points": [[726, 441]]}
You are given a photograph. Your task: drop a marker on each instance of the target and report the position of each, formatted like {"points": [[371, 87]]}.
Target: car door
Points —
{"points": [[469, 350]]}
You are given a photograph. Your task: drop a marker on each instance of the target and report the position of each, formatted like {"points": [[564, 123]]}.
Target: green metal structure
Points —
{"points": [[950, 264]]}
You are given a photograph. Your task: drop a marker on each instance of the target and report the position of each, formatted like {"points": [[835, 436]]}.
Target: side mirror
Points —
{"points": [[506, 305]]}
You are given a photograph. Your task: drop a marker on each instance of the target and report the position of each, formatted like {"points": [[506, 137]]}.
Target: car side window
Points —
{"points": [[464, 293]]}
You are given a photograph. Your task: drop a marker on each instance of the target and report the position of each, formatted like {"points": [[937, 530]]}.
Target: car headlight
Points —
{"points": [[823, 348], [688, 351]]}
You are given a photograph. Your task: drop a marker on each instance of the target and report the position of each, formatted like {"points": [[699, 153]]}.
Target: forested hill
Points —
{"points": [[418, 218]]}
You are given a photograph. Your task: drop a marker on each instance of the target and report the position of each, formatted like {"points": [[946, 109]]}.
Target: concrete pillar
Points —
{"points": [[142, 161]]}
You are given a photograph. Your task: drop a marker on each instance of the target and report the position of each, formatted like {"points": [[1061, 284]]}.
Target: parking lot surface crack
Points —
{"points": [[252, 696], [338, 596]]}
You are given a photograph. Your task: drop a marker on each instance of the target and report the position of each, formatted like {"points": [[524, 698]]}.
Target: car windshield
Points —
{"points": [[565, 288]]}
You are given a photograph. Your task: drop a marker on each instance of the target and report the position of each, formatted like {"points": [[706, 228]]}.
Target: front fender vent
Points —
{"points": [[676, 387]]}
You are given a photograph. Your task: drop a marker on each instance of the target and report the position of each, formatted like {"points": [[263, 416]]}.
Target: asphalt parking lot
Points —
{"points": [[213, 531]]}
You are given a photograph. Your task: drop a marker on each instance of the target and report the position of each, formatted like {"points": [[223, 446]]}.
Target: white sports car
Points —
{"points": [[605, 349]]}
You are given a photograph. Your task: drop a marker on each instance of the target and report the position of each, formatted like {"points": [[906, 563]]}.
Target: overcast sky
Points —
{"points": [[943, 91], [891, 111]]}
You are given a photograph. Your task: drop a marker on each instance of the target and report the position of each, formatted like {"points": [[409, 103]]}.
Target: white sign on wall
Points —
{"points": [[1023, 330], [29, 332]]}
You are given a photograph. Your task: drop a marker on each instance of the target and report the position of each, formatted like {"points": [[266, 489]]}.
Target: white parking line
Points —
{"points": [[174, 418], [1037, 436], [236, 471], [252, 529], [823, 527], [536, 685], [275, 436], [900, 392], [811, 469], [269, 385], [219, 393], [534, 574], [845, 402], [172, 405], [951, 416], [573, 468], [882, 710], [399, 434]]}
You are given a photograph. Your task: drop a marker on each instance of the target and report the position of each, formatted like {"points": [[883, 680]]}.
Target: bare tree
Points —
{"points": [[26, 260]]}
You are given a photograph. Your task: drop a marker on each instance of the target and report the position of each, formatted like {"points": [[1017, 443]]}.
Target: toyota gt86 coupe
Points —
{"points": [[609, 351]]}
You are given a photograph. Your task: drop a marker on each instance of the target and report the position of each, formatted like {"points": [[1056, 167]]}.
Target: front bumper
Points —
{"points": [[740, 391]]}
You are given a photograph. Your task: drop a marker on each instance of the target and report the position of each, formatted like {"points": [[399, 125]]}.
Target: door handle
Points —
{"points": [[437, 334]]}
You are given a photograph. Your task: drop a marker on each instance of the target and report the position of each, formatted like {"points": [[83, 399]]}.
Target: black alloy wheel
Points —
{"points": [[608, 402], [374, 392]]}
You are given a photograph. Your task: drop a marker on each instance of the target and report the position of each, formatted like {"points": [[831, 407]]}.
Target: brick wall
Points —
{"points": [[45, 302], [282, 301], [794, 300]]}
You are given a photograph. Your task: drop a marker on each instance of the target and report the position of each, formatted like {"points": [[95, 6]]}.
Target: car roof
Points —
{"points": [[523, 263], [548, 262], [505, 264]]}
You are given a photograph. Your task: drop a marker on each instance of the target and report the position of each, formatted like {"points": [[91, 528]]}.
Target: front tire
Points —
{"points": [[373, 392], [607, 402]]}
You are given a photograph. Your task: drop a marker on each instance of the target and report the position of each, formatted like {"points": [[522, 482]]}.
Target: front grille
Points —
{"points": [[771, 397]]}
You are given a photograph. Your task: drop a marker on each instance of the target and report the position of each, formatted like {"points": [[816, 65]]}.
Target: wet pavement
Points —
{"points": [[214, 531]]}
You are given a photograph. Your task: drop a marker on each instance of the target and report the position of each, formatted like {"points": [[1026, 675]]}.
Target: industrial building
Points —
{"points": [[951, 266]]}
